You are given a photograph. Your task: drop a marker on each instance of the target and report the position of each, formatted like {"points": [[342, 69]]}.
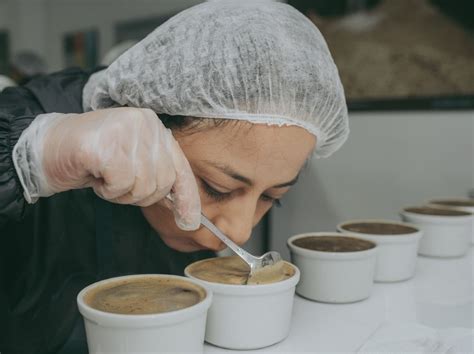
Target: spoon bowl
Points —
{"points": [[255, 263]]}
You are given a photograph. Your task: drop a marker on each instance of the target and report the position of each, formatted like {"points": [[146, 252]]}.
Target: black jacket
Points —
{"points": [[49, 251]]}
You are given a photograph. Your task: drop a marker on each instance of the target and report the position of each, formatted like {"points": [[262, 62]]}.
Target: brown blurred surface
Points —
{"points": [[402, 48]]}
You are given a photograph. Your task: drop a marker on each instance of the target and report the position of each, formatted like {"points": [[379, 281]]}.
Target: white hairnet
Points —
{"points": [[116, 51], [258, 61]]}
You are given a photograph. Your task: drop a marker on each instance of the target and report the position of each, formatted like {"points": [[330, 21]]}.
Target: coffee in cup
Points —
{"points": [[233, 270], [241, 304], [145, 295], [145, 313], [424, 210], [333, 243], [378, 228], [467, 203]]}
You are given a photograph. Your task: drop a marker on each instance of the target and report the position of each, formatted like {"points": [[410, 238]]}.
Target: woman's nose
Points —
{"points": [[237, 222]]}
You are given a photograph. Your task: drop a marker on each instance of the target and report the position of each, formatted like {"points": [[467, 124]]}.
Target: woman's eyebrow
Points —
{"points": [[289, 183], [230, 172], [235, 175]]}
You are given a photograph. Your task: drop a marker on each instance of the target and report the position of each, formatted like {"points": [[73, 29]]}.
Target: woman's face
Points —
{"points": [[241, 170]]}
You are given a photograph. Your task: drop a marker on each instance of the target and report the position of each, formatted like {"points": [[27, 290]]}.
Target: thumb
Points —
{"points": [[184, 193]]}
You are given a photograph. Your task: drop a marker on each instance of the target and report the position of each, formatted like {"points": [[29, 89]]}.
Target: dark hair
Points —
{"points": [[175, 122], [192, 124]]}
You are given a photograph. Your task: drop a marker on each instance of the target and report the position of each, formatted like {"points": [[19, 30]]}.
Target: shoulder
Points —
{"points": [[61, 91]]}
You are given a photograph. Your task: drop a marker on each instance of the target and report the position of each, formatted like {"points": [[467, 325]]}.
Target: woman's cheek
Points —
{"points": [[180, 244], [208, 241]]}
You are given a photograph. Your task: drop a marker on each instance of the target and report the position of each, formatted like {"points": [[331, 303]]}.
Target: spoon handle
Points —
{"points": [[247, 257]]}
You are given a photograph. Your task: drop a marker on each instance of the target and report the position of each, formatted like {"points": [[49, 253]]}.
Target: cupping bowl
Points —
{"points": [[180, 331], [397, 245], [334, 276], [249, 316], [446, 232]]}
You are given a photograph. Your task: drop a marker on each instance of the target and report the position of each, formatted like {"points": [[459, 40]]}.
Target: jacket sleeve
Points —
{"points": [[59, 92], [18, 108]]}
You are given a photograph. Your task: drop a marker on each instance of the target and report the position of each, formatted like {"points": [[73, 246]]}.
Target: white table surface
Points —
{"points": [[439, 296]]}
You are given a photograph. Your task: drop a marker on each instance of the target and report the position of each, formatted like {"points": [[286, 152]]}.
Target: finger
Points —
{"points": [[145, 183], [186, 200], [157, 197], [164, 173], [115, 182]]}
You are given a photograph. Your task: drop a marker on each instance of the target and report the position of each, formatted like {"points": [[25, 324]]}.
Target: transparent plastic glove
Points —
{"points": [[125, 154]]}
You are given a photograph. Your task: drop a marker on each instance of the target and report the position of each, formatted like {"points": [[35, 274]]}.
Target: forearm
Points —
{"points": [[17, 111]]}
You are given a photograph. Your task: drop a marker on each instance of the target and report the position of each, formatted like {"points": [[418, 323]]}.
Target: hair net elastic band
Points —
{"points": [[268, 119], [280, 121]]}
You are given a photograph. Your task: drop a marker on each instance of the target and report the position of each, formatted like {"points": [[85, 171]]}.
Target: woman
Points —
{"points": [[249, 91]]}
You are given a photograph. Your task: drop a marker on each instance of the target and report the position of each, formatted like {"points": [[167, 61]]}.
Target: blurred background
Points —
{"points": [[408, 71]]}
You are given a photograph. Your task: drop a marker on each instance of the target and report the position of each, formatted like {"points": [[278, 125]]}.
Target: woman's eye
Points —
{"points": [[213, 193], [276, 202], [221, 196]]}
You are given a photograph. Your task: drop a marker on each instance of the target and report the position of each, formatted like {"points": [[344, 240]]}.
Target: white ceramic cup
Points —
{"points": [[334, 277], [396, 255], [443, 236], [249, 316], [463, 205], [180, 331]]}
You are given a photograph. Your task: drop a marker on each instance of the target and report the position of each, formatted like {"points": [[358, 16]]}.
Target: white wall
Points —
{"points": [[3, 14], [39, 25], [73, 15], [26, 22], [391, 160]]}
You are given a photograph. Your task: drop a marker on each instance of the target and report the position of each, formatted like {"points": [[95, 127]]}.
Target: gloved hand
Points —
{"points": [[125, 154]]}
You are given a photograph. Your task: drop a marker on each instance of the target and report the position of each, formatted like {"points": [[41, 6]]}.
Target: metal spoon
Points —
{"points": [[255, 263]]}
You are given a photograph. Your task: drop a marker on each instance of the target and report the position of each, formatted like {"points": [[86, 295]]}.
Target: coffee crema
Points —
{"points": [[379, 228], [144, 295], [234, 271], [333, 244], [455, 203], [436, 211]]}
